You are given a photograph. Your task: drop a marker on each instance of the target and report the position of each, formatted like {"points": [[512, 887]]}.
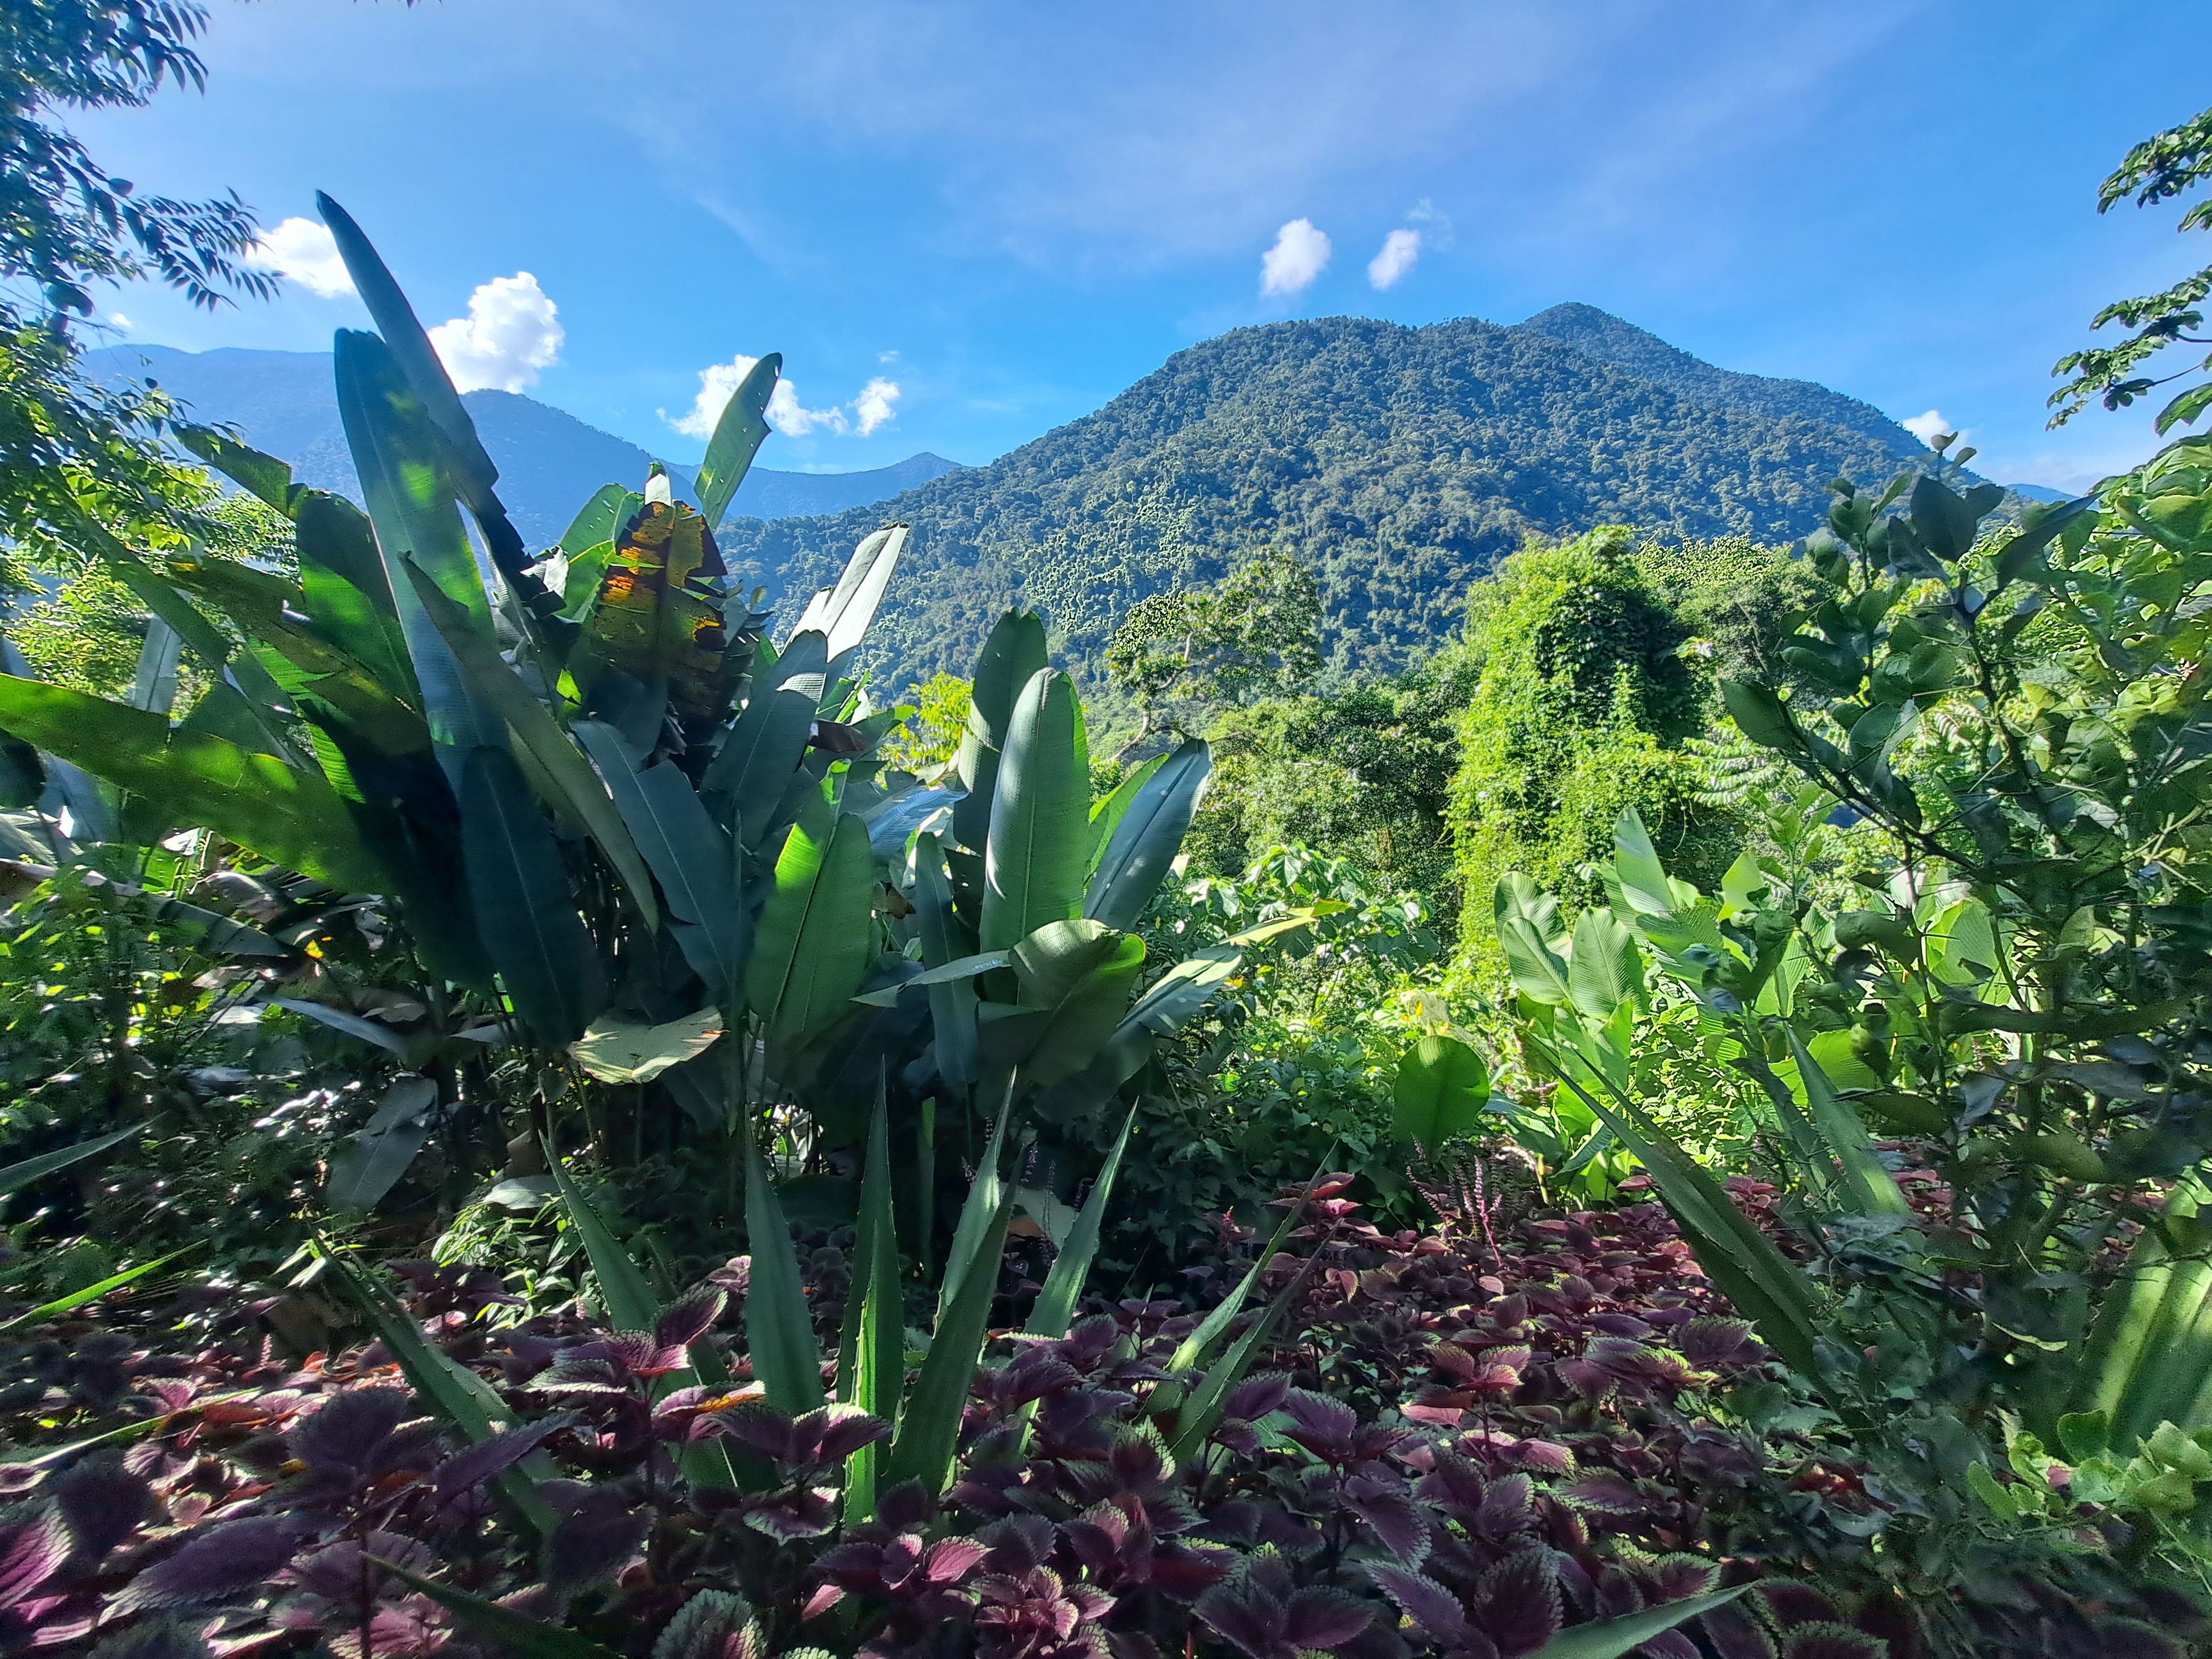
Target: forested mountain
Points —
{"points": [[1401, 463], [548, 461]]}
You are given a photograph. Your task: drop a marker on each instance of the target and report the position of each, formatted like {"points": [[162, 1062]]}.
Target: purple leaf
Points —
{"points": [[687, 1321], [1792, 1603], [712, 1624], [1324, 1619], [1425, 1601], [103, 1504], [594, 1540], [1255, 1397], [1826, 1640], [951, 1559], [1676, 1578], [836, 1432], [472, 1467], [1321, 1425], [1509, 1506], [1673, 1644], [1246, 1616], [224, 1560], [1519, 1602], [907, 1505], [802, 1512], [350, 1426], [1391, 1510], [35, 1553], [1606, 1492], [757, 1423], [1735, 1634], [159, 1638]]}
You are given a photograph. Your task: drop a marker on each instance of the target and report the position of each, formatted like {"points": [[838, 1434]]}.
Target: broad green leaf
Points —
{"points": [[261, 476], [369, 1162], [347, 592], [1606, 968], [945, 937], [1530, 934], [1441, 1089], [618, 1051], [739, 431], [290, 816], [1063, 1285], [1038, 847], [630, 1303], [1762, 717], [400, 457], [1643, 880], [686, 849], [755, 766], [1075, 979], [523, 910], [1014, 654], [154, 686], [1609, 1638], [778, 1329], [1107, 814], [1874, 1190], [608, 510], [1149, 835], [929, 1430], [828, 915], [411, 1051], [842, 614], [16, 1177], [871, 1356], [576, 788]]}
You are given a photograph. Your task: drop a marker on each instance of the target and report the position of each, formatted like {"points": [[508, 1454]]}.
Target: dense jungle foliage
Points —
{"points": [[540, 1116]]}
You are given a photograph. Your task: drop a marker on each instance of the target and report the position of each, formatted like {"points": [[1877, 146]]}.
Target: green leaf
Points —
{"points": [[618, 1051], [411, 1051], [1150, 835], [1202, 1410], [1994, 1495], [1609, 1638], [1643, 880], [524, 909], [1106, 815], [261, 476], [2184, 409], [631, 1304], [929, 1431], [824, 904], [1442, 1087], [346, 591], [1038, 847], [290, 816], [756, 763], [1014, 654], [369, 1162], [976, 1212], [1075, 979], [945, 937], [524, 1635], [871, 1356], [1606, 969], [682, 845], [14, 1178], [2084, 1435], [576, 787], [1063, 1285], [739, 432], [1193, 1348], [1530, 933], [1760, 715], [1869, 1183], [842, 614], [778, 1329], [76, 1300], [606, 512], [400, 458]]}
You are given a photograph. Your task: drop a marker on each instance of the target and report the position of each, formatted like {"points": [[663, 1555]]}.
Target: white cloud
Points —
{"points": [[1931, 426], [717, 381], [120, 320], [1300, 254], [1401, 248], [512, 331], [306, 253], [874, 405]]}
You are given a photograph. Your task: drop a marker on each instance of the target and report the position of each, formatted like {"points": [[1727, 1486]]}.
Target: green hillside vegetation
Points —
{"points": [[1399, 463]]}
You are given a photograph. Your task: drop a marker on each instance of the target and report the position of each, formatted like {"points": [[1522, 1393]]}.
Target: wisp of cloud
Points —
{"points": [[1401, 248]]}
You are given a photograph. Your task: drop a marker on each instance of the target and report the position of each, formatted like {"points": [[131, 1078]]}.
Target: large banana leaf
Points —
{"points": [[944, 939], [652, 624], [519, 888], [1107, 813], [289, 815], [757, 760], [473, 473], [400, 459], [1075, 979], [842, 614], [1014, 652], [574, 786], [738, 433], [686, 849], [1038, 848], [1149, 835], [817, 933], [1442, 1086]]}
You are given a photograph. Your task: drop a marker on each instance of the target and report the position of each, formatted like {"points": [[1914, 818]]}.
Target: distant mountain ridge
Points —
{"points": [[548, 461], [1402, 462]]}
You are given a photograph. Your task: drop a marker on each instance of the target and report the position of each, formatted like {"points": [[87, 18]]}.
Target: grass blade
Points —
{"points": [[513, 1632], [983, 1195], [1192, 1349], [1609, 1638], [16, 1176], [1056, 1303], [76, 1300], [929, 1431], [872, 1358]]}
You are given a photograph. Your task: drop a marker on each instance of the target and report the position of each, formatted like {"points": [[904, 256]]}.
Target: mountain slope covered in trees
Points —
{"points": [[1401, 462]]}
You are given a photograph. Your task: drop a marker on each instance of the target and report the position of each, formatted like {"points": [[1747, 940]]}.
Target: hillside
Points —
{"points": [[1402, 462], [548, 461]]}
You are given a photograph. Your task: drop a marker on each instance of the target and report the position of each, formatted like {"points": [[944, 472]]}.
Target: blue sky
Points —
{"points": [[965, 224]]}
